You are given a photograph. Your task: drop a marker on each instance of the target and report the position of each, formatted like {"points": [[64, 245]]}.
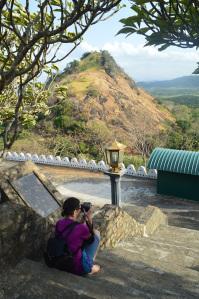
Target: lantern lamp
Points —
{"points": [[114, 155]]}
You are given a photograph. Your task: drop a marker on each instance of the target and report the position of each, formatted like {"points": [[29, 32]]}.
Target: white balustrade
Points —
{"points": [[130, 170], [58, 160], [22, 157], [142, 171], [152, 173], [102, 166], [8, 156], [83, 163], [42, 159], [35, 158], [28, 156], [66, 161], [90, 165], [50, 159], [74, 162]]}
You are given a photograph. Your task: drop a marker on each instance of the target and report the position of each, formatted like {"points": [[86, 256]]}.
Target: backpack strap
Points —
{"points": [[69, 227]]}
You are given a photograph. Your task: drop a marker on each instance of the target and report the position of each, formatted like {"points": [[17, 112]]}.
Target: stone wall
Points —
{"points": [[116, 225], [23, 233], [152, 218]]}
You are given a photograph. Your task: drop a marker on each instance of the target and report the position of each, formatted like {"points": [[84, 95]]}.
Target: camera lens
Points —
{"points": [[85, 207]]}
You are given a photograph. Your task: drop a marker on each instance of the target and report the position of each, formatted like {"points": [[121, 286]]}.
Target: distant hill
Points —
{"points": [[104, 93], [183, 90], [181, 82]]}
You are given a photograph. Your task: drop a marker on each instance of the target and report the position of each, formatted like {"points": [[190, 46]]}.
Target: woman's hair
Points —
{"points": [[70, 205]]}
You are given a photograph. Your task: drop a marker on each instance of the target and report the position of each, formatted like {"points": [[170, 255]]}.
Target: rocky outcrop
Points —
{"points": [[152, 218], [23, 233], [116, 225]]}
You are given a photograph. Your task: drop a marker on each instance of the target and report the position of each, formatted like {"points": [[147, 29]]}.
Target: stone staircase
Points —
{"points": [[166, 265]]}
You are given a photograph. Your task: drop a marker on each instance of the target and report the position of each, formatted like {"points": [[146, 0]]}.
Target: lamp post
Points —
{"points": [[114, 156]]}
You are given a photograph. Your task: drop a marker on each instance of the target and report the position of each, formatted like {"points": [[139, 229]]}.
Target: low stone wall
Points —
{"points": [[152, 218], [116, 225], [23, 233]]}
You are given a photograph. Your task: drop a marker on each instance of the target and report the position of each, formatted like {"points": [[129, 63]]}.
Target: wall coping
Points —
{"points": [[91, 165]]}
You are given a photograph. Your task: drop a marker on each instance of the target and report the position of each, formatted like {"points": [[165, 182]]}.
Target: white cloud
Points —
{"points": [[88, 47], [119, 49]]}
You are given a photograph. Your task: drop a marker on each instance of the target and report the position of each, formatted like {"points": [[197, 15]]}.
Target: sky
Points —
{"points": [[141, 63]]}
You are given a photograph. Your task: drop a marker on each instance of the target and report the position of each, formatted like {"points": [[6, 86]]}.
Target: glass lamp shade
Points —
{"points": [[114, 155]]}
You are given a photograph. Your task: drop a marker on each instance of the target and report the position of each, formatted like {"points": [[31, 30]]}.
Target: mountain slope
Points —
{"points": [[102, 92], [183, 90]]}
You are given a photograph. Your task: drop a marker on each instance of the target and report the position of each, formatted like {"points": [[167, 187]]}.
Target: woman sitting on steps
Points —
{"points": [[82, 241]]}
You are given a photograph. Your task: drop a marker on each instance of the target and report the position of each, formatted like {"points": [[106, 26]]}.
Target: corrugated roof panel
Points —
{"points": [[175, 161], [197, 166]]}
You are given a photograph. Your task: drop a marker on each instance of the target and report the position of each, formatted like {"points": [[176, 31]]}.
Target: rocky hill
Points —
{"points": [[103, 93], [93, 102]]}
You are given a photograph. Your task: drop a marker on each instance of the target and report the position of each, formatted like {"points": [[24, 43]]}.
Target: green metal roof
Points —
{"points": [[179, 161]]}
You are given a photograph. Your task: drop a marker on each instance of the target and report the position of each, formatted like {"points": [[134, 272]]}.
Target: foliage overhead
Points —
{"points": [[31, 35], [29, 31], [35, 104], [164, 23]]}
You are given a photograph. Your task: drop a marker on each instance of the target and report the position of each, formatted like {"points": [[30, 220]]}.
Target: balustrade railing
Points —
{"points": [[82, 164]]}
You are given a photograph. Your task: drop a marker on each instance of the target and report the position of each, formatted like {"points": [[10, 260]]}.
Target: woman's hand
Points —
{"points": [[89, 216]]}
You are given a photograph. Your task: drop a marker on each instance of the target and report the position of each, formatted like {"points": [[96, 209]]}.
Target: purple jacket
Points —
{"points": [[75, 240]]}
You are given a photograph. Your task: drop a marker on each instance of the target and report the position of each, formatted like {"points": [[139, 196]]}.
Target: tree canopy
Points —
{"points": [[164, 23], [31, 33]]}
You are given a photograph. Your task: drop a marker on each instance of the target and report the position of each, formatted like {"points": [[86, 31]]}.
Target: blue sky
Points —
{"points": [[141, 63]]}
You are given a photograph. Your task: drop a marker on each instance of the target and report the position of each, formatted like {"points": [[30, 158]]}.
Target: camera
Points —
{"points": [[85, 207]]}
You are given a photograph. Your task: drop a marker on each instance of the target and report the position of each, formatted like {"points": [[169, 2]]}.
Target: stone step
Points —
{"points": [[118, 279], [134, 267], [129, 256], [177, 254], [164, 265], [175, 235], [34, 280]]}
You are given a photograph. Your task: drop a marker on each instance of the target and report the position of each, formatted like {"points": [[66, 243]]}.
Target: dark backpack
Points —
{"points": [[57, 254]]}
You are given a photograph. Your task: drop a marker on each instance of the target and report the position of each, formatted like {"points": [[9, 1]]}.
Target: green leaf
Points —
{"points": [[126, 30], [162, 48]]}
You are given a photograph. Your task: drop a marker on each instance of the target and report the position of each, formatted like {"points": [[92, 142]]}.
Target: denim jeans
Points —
{"points": [[91, 249]]}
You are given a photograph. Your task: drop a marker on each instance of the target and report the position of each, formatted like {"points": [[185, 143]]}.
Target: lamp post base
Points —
{"points": [[115, 187]]}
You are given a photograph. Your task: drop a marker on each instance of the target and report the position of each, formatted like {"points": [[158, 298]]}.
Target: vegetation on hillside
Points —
{"points": [[69, 130], [183, 90], [181, 97]]}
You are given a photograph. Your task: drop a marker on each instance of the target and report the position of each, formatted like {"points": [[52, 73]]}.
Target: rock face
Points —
{"points": [[23, 233], [116, 225], [152, 218]]}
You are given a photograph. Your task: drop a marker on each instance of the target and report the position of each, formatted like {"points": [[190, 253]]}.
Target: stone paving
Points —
{"points": [[162, 266]]}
